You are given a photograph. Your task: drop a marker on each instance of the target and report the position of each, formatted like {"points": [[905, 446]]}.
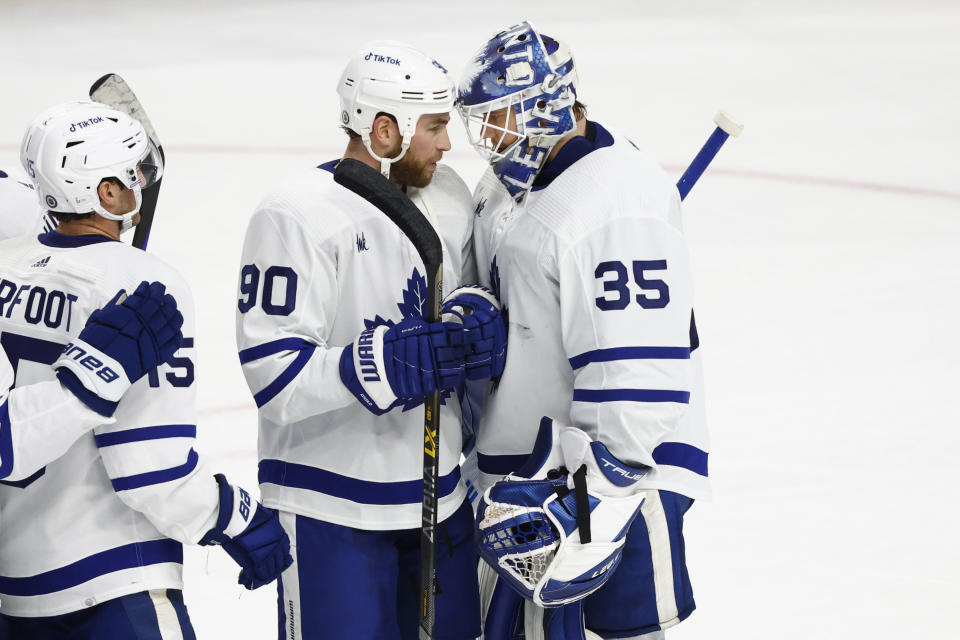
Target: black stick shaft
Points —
{"points": [[383, 194]]}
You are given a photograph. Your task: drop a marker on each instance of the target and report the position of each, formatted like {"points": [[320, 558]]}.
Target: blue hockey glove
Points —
{"points": [[119, 344], [555, 535], [251, 534], [485, 332], [389, 365]]}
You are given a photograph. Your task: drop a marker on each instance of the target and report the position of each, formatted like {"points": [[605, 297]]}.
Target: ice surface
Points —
{"points": [[825, 244]]}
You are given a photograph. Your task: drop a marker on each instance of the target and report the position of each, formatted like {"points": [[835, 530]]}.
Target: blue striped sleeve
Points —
{"points": [[146, 433], [270, 348], [270, 391], [156, 477], [631, 395], [629, 353], [680, 454]]}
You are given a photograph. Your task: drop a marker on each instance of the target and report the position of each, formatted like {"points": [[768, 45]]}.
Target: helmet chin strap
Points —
{"points": [[125, 219], [385, 162]]}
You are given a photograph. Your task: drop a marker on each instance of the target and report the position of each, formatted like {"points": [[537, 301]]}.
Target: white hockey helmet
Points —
{"points": [[394, 78], [70, 148]]}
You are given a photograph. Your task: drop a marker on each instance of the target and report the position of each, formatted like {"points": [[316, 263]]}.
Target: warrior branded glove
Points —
{"points": [[485, 332], [389, 365], [251, 534], [119, 344], [555, 530]]}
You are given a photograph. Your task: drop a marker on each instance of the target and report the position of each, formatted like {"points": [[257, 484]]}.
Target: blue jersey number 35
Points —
{"points": [[615, 278]]}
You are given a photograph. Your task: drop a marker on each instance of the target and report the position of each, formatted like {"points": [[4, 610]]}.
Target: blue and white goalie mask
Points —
{"points": [[516, 99]]}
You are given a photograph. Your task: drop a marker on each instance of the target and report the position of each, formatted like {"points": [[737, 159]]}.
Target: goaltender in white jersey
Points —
{"points": [[578, 231], [609, 259]]}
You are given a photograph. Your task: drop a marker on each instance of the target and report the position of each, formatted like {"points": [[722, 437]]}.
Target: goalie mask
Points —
{"points": [[71, 148], [524, 76], [397, 79]]}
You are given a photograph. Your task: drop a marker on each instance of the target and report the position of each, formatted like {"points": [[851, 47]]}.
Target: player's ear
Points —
{"points": [[385, 132], [108, 192]]}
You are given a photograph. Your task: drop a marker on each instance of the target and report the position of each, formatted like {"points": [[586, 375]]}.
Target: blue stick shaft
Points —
{"points": [[702, 161]]}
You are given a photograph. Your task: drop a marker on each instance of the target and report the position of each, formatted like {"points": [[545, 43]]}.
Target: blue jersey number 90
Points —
{"points": [[273, 279], [617, 292]]}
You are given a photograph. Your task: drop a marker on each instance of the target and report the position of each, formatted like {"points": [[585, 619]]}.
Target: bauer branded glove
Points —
{"points": [[119, 344], [555, 530], [251, 534], [389, 365], [477, 309]]}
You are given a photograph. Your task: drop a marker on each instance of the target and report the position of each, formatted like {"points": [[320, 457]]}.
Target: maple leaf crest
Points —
{"points": [[413, 303]]}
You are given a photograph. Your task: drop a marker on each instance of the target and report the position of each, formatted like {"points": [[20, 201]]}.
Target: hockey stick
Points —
{"points": [[370, 185], [114, 92], [726, 127]]}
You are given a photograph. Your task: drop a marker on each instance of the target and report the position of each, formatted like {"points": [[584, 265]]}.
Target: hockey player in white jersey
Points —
{"points": [[578, 232], [336, 352], [91, 545], [40, 421], [20, 211]]}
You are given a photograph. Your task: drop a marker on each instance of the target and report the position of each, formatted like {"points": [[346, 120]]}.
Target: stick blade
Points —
{"points": [[113, 91]]}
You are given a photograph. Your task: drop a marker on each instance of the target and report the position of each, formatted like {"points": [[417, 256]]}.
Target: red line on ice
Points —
{"points": [[322, 153]]}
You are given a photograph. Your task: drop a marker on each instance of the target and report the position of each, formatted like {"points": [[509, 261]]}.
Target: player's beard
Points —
{"points": [[412, 171]]}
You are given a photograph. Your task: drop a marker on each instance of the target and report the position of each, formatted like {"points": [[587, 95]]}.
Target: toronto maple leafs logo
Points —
{"points": [[413, 304]]}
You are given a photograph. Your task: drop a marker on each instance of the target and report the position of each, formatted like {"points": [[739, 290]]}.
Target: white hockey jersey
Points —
{"points": [[108, 517], [320, 264], [20, 211], [38, 423], [595, 278]]}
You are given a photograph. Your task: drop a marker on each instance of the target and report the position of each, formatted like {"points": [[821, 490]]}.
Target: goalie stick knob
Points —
{"points": [[726, 122]]}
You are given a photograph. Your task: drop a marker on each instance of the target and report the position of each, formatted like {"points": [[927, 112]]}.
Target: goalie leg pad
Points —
{"points": [[651, 589]]}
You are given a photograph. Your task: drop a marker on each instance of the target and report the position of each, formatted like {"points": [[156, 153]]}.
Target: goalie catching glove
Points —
{"points": [[555, 529], [251, 534], [119, 344]]}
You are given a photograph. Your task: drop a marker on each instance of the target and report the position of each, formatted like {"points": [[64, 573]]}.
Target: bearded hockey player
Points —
{"points": [[578, 233], [339, 358], [91, 545]]}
